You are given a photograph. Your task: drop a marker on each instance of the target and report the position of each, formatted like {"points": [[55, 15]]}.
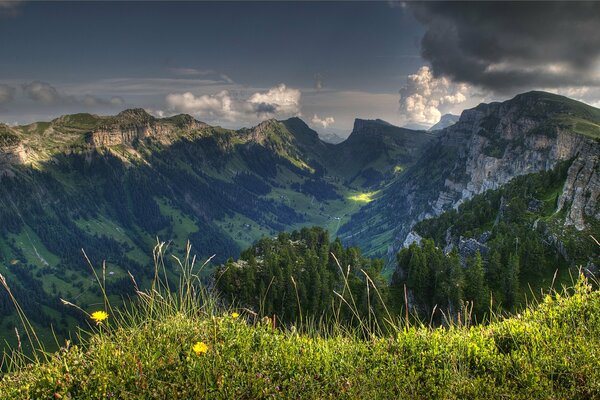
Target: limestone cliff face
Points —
{"points": [[581, 193], [132, 125], [490, 145], [515, 146]]}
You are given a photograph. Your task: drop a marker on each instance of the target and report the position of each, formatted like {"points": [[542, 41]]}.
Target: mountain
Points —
{"points": [[489, 146], [111, 185], [445, 121], [331, 138], [376, 151]]}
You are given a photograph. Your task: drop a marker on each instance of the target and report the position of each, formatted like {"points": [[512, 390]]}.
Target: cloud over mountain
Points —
{"points": [[505, 46], [424, 98], [324, 122], [279, 101], [216, 106]]}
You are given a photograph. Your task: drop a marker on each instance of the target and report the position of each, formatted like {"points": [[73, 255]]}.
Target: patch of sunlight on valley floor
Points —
{"points": [[365, 197]]}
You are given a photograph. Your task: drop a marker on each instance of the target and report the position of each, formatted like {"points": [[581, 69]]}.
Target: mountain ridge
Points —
{"points": [[489, 145]]}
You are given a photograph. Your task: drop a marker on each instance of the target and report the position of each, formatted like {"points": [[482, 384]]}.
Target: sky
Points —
{"points": [[237, 63]]}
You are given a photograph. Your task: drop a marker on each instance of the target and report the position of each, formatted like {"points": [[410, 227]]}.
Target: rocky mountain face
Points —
{"points": [[137, 124], [113, 184], [445, 121], [490, 145]]}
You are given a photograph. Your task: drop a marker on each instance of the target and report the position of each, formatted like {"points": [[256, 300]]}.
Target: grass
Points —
{"points": [[178, 341], [365, 197]]}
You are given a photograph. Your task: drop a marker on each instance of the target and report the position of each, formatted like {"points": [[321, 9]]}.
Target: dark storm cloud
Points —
{"points": [[263, 108], [506, 45]]}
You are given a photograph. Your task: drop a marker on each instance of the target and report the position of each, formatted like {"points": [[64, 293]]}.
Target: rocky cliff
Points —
{"points": [[137, 124], [490, 145]]}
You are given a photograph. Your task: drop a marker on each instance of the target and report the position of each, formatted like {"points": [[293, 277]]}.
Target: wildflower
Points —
{"points": [[200, 348], [234, 315], [99, 316]]}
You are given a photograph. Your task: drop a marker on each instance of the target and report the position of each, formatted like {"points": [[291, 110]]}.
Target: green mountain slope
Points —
{"points": [[112, 185]]}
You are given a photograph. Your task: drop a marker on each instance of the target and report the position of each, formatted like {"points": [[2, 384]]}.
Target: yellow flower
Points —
{"points": [[99, 316], [200, 348], [234, 315]]}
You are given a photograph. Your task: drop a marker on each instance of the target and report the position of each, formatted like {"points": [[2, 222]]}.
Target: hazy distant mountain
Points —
{"points": [[445, 121], [331, 138]]}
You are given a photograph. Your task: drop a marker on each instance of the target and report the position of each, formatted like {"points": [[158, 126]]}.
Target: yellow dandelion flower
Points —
{"points": [[234, 315], [99, 316], [200, 348]]}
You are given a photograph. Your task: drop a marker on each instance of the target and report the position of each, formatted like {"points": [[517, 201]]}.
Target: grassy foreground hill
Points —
{"points": [[183, 345]]}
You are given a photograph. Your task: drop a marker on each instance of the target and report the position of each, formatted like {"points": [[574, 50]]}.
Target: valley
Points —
{"points": [[113, 186]]}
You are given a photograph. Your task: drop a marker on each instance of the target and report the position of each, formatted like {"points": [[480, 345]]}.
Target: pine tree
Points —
{"points": [[512, 280], [476, 290], [456, 289]]}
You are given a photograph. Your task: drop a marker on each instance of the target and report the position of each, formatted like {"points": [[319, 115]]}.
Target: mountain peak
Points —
{"points": [[360, 124], [134, 115], [184, 121], [445, 121]]}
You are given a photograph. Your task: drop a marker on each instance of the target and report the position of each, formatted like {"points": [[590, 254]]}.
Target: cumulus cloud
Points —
{"points": [[424, 97], [509, 46], [214, 106], [279, 100], [324, 122], [7, 93]]}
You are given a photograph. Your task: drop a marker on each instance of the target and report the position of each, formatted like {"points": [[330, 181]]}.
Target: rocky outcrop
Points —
{"points": [[490, 145], [581, 192], [506, 141], [444, 122], [133, 125]]}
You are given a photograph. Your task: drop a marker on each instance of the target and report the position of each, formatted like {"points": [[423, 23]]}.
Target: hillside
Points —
{"points": [[194, 349], [489, 146], [112, 185]]}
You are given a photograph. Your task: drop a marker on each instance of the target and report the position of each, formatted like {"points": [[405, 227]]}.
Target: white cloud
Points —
{"points": [[214, 106], [7, 93], [425, 98], [324, 122], [279, 100]]}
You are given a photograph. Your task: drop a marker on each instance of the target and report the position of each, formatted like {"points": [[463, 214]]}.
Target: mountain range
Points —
{"points": [[111, 185]]}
